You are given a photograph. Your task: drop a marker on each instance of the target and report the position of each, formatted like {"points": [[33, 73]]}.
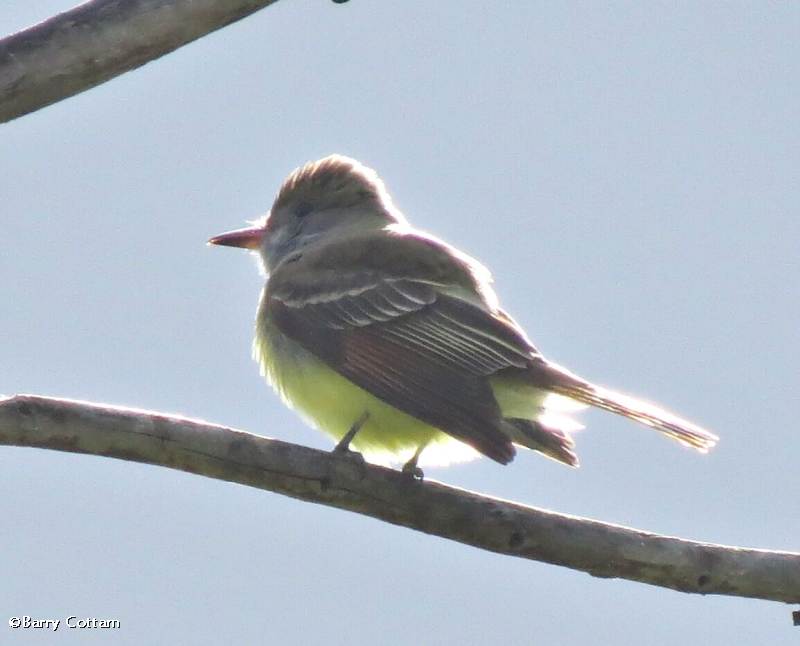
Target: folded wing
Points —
{"points": [[404, 341]]}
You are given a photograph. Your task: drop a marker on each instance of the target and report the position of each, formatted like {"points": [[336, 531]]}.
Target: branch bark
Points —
{"points": [[214, 451], [98, 40]]}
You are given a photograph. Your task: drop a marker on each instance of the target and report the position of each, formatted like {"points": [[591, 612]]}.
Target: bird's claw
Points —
{"points": [[414, 472]]}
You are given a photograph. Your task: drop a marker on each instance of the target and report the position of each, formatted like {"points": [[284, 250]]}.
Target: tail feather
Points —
{"points": [[681, 430], [553, 442]]}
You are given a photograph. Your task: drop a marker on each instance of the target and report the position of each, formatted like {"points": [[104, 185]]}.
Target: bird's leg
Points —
{"points": [[344, 444], [410, 468]]}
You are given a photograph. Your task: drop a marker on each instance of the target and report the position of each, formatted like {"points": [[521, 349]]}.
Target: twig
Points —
{"points": [[600, 549], [98, 40]]}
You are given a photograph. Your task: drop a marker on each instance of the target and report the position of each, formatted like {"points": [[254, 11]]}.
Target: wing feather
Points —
{"points": [[424, 337], [406, 343]]}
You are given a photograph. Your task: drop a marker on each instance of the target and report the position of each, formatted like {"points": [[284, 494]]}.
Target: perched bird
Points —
{"points": [[392, 341]]}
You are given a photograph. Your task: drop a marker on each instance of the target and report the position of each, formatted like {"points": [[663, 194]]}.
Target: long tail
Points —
{"points": [[561, 381]]}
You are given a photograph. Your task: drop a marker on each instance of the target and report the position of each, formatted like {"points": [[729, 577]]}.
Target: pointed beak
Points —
{"points": [[249, 238]]}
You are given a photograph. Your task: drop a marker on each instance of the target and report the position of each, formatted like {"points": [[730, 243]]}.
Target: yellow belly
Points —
{"points": [[332, 404]]}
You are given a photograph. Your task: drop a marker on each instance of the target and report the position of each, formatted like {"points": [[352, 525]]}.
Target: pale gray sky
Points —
{"points": [[629, 171]]}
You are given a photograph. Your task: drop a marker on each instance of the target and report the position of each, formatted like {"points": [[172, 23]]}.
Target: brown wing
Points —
{"points": [[423, 352]]}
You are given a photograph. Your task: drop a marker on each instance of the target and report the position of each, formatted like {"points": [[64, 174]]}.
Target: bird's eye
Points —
{"points": [[303, 209]]}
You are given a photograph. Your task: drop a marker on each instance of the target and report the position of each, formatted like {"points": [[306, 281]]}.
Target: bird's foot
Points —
{"points": [[355, 458], [344, 450], [413, 471]]}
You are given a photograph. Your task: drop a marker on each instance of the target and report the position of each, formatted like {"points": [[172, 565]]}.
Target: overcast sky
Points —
{"points": [[629, 172]]}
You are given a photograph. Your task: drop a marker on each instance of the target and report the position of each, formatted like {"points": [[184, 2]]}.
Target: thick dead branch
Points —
{"points": [[500, 526], [97, 40]]}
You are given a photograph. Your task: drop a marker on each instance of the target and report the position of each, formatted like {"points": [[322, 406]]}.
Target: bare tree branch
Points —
{"points": [[497, 525], [98, 40]]}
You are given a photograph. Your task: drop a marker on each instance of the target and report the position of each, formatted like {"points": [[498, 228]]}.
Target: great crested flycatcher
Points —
{"points": [[392, 341]]}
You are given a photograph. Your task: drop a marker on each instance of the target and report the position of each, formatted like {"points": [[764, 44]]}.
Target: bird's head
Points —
{"points": [[335, 195]]}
